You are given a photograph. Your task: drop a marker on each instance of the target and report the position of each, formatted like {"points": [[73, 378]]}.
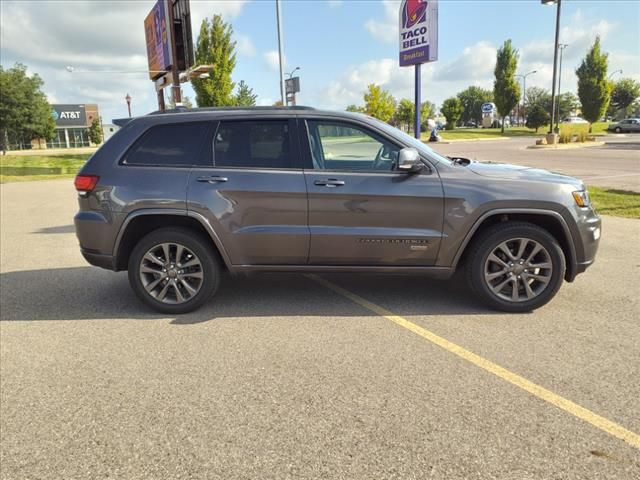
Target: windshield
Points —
{"points": [[414, 142]]}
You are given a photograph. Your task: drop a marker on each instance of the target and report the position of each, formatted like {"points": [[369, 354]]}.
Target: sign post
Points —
{"points": [[418, 42]]}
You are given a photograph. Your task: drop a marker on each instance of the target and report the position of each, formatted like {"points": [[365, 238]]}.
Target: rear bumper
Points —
{"points": [[98, 259]]}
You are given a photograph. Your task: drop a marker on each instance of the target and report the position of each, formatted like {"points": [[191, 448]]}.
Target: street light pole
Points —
{"points": [[524, 92], [555, 61], [613, 73], [278, 19], [128, 99], [562, 46]]}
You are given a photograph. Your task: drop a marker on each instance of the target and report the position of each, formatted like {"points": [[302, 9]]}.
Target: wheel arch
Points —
{"points": [[550, 220], [141, 222]]}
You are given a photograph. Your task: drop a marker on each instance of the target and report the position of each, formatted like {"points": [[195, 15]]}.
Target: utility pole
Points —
{"points": [[555, 63], [280, 41], [562, 46], [418, 101]]}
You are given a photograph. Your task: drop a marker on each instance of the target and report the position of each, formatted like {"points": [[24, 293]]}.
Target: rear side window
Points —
{"points": [[253, 144], [178, 144]]}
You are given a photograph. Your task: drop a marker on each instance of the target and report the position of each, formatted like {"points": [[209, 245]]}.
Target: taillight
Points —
{"points": [[86, 183]]}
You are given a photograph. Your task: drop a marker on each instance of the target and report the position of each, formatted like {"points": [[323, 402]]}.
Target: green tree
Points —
{"points": [[405, 112], [568, 103], [95, 132], [216, 48], [472, 99], [452, 110], [245, 96], [625, 92], [25, 113], [506, 90], [594, 90], [537, 116], [354, 108], [379, 103], [538, 96]]}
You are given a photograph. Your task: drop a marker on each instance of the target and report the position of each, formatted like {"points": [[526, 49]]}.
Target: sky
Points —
{"points": [[340, 46]]}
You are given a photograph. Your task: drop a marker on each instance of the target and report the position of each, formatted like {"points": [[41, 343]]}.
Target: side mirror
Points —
{"points": [[409, 160]]}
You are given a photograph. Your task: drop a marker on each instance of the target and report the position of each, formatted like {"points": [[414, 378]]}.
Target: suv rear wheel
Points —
{"points": [[516, 267], [173, 270]]}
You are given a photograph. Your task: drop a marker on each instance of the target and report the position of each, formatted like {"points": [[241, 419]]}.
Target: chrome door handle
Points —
{"points": [[213, 179], [330, 183]]}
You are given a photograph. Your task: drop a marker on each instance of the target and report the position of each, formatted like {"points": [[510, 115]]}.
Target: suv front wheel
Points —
{"points": [[173, 270], [516, 267]]}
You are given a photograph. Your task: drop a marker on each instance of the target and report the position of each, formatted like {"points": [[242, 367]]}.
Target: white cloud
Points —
{"points": [[385, 29], [272, 60], [334, 3], [244, 45], [476, 63]]}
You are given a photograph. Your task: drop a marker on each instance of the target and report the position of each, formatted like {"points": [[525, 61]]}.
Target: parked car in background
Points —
{"points": [[574, 120], [626, 125]]}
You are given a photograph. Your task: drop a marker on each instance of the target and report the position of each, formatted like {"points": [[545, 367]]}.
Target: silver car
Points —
{"points": [[626, 125]]}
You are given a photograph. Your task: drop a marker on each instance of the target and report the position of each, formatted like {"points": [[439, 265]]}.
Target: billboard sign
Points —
{"points": [[418, 32], [69, 115], [156, 31]]}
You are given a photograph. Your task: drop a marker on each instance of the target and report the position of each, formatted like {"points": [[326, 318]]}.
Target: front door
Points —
{"points": [[254, 194], [362, 210]]}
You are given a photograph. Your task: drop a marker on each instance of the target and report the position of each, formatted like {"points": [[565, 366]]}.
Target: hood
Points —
{"points": [[517, 172]]}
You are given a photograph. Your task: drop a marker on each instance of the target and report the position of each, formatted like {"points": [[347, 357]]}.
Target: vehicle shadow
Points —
{"points": [[87, 293], [57, 229]]}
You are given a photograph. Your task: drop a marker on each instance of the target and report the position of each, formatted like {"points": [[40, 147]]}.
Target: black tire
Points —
{"points": [[618, 130], [193, 241], [489, 241]]}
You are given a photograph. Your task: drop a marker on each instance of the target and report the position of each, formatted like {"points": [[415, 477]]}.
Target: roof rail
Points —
{"points": [[183, 109]]}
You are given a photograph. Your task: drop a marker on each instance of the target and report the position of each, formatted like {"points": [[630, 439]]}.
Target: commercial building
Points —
{"points": [[72, 125]]}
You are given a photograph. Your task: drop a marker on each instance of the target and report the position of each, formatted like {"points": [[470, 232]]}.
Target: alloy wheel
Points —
{"points": [[518, 270], [171, 273]]}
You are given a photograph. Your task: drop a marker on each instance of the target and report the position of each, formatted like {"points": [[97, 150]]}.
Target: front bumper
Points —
{"points": [[589, 232]]}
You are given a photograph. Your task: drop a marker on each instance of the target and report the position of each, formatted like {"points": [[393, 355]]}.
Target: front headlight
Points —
{"points": [[582, 198]]}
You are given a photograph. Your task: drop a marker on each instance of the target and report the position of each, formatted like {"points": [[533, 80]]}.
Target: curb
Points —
{"points": [[566, 146]]}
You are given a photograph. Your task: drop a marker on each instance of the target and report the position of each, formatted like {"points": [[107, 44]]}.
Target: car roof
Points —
{"points": [[185, 114]]}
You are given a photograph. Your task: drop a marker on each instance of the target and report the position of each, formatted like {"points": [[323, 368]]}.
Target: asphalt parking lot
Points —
{"points": [[290, 377]]}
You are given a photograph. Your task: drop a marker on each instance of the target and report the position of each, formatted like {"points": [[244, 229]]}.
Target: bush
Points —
{"points": [[565, 136]]}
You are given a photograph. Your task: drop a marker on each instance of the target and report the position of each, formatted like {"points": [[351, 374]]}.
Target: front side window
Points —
{"points": [[178, 144], [342, 146], [253, 144]]}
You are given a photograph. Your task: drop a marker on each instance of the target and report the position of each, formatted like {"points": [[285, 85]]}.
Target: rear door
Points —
{"points": [[254, 192], [362, 210]]}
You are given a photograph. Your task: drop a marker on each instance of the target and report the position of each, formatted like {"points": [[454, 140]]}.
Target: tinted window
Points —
{"points": [[178, 144], [338, 146], [255, 144]]}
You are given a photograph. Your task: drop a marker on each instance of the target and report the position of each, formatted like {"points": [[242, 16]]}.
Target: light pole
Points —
{"points": [[613, 73], [280, 55], [562, 46], [293, 71], [128, 99], [555, 65], [524, 92]]}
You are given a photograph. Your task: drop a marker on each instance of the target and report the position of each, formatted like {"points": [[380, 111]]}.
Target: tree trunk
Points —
{"points": [[590, 127], [502, 130]]}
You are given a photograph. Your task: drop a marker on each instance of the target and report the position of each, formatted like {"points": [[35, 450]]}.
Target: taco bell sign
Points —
{"points": [[418, 32]]}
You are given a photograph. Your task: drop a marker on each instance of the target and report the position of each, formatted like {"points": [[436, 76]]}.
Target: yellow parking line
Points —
{"points": [[542, 393]]}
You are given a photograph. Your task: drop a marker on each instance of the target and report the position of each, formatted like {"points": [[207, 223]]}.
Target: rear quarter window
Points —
{"points": [[178, 144]]}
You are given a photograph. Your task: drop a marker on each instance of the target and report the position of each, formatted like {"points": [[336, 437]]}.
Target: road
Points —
{"points": [[615, 164], [289, 377]]}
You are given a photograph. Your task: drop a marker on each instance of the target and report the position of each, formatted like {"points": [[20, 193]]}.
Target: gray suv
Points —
{"points": [[176, 198]]}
